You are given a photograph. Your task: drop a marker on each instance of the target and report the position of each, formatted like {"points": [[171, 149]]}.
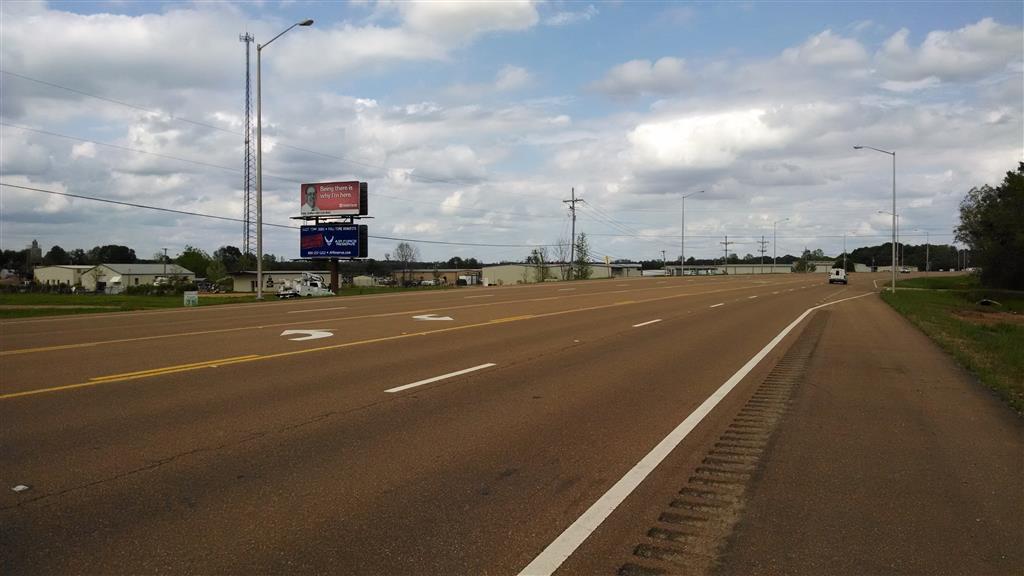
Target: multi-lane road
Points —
{"points": [[470, 431]]}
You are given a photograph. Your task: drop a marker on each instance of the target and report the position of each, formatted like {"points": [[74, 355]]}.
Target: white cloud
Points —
{"points": [[566, 17], [511, 78], [910, 86], [704, 141], [967, 53], [826, 49], [665, 76]]}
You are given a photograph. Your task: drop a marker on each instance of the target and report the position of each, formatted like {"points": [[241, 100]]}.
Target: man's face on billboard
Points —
{"points": [[311, 196]]}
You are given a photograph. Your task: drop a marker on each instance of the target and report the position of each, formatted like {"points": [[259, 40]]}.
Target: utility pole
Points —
{"points": [[682, 242], [927, 253], [664, 264], [725, 247], [763, 243], [572, 247], [165, 262], [248, 158], [844, 251]]}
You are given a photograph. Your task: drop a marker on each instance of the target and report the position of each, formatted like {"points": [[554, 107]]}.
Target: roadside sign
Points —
{"points": [[334, 199], [191, 298], [333, 241]]}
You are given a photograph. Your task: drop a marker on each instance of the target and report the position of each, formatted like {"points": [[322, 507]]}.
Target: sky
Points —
{"points": [[472, 122]]}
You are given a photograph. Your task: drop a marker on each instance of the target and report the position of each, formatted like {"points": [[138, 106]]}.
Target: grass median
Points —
{"points": [[32, 305], [986, 339]]}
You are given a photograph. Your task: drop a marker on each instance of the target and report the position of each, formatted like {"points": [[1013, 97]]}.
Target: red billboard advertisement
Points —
{"points": [[331, 199]]}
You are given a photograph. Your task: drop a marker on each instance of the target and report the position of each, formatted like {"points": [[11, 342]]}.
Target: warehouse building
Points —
{"points": [[66, 274], [503, 274], [116, 277]]}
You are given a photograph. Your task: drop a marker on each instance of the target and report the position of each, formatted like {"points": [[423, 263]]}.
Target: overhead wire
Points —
{"points": [[230, 219]]}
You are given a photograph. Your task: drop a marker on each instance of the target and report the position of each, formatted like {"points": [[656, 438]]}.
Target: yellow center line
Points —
{"points": [[166, 368], [343, 318], [254, 357]]}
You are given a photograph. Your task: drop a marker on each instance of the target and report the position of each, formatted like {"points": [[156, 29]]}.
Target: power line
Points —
{"points": [[229, 219]]}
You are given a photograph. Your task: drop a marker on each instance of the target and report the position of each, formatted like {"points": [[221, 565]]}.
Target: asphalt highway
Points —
{"points": [[443, 432]]}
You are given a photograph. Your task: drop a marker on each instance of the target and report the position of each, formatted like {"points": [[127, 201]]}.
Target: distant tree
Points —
{"points": [[230, 257], [194, 260], [818, 254], [216, 271], [804, 264], [455, 262], [406, 254], [538, 259], [562, 255], [112, 254], [991, 225], [581, 265], [79, 257], [839, 263], [56, 256]]}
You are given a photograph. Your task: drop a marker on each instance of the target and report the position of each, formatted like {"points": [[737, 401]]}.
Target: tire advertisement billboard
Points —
{"points": [[337, 241], [334, 199]]}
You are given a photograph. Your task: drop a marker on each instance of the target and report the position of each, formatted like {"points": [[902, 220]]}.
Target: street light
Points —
{"points": [[898, 247], [259, 159], [893, 154], [773, 242], [682, 247], [927, 251]]}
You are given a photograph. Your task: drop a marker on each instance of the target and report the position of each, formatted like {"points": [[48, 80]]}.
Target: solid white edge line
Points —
{"points": [[751, 297], [318, 310], [717, 305], [441, 377], [646, 323], [566, 543]]}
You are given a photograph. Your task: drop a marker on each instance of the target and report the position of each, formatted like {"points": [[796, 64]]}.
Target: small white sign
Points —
{"points": [[191, 298]]}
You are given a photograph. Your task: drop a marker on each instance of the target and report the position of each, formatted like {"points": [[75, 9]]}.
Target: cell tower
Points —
{"points": [[249, 160]]}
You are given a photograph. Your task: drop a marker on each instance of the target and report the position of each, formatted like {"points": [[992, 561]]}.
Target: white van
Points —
{"points": [[837, 276]]}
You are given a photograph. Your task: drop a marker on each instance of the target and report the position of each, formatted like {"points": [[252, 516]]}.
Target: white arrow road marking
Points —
{"points": [[431, 317], [441, 377], [309, 334]]}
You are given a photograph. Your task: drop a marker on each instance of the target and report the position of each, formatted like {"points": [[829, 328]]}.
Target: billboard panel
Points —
{"points": [[333, 199], [346, 241]]}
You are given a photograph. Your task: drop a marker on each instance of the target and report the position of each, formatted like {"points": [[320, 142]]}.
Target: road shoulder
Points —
{"points": [[891, 459]]}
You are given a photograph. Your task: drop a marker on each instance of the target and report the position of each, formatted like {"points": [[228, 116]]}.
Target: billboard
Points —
{"points": [[334, 199], [338, 241]]}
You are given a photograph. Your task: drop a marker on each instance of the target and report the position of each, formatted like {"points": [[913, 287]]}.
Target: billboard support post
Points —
{"points": [[334, 276]]}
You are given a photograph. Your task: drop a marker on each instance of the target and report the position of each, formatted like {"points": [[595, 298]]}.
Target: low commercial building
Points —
{"points": [[67, 274], [503, 274], [112, 277], [442, 276]]}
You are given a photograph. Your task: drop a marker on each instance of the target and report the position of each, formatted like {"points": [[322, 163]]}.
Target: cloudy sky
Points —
{"points": [[472, 121]]}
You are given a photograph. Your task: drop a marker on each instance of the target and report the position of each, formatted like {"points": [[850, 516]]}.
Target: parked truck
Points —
{"points": [[308, 285]]}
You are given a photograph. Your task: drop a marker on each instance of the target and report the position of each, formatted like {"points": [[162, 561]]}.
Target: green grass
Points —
{"points": [[33, 305], [960, 282], [981, 338]]}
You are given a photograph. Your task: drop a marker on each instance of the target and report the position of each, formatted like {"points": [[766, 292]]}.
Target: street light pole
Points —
{"points": [[894, 222], [682, 246], [774, 252], [259, 157]]}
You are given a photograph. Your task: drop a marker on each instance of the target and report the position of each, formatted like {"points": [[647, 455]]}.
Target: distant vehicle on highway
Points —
{"points": [[837, 276], [428, 282], [904, 270]]}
